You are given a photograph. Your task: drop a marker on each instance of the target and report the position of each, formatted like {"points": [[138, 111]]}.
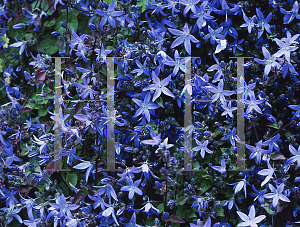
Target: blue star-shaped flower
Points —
{"points": [[109, 15], [184, 37]]}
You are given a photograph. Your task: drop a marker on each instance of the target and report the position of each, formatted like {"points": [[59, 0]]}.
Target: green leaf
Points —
{"points": [[17, 33], [43, 112], [72, 22], [205, 185], [181, 212], [142, 5], [287, 133], [41, 186], [275, 125], [191, 214], [160, 102], [182, 200], [277, 156], [50, 23], [6, 41], [71, 178], [2, 65], [220, 211], [161, 207], [63, 188], [48, 46]]}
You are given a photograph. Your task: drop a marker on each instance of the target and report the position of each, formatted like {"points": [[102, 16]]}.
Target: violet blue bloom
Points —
{"points": [[109, 15], [184, 37], [276, 194], [250, 220], [290, 15], [257, 151], [222, 168], [296, 157], [145, 107], [219, 92], [132, 187], [253, 103], [159, 86], [263, 23]]}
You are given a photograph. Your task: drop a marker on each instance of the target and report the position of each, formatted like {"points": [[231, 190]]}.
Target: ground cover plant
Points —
{"points": [[151, 42]]}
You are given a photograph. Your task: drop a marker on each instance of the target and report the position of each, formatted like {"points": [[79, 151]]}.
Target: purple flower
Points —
{"points": [[272, 143], [257, 151], [202, 147], [70, 155], [110, 211], [78, 41], [214, 34], [132, 222], [159, 86], [199, 224], [232, 137], [276, 194], [225, 9], [145, 107], [156, 140], [3, 11], [236, 44], [202, 14], [87, 89], [149, 208], [269, 61], [296, 157], [258, 194], [222, 168], [253, 103], [11, 213], [263, 23], [108, 190], [85, 165], [249, 23], [178, 63], [219, 74], [189, 5], [21, 45], [145, 170], [267, 172], [62, 205], [109, 15], [286, 45], [290, 15], [184, 37], [228, 109], [164, 146], [246, 89], [11, 156], [297, 108], [58, 1], [219, 92], [39, 62], [142, 68], [250, 220], [132, 187], [31, 222]]}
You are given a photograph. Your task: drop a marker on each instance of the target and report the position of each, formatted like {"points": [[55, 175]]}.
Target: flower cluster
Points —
{"points": [[128, 113]]}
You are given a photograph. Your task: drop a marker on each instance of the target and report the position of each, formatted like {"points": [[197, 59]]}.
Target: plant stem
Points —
{"points": [[255, 131], [282, 128]]}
